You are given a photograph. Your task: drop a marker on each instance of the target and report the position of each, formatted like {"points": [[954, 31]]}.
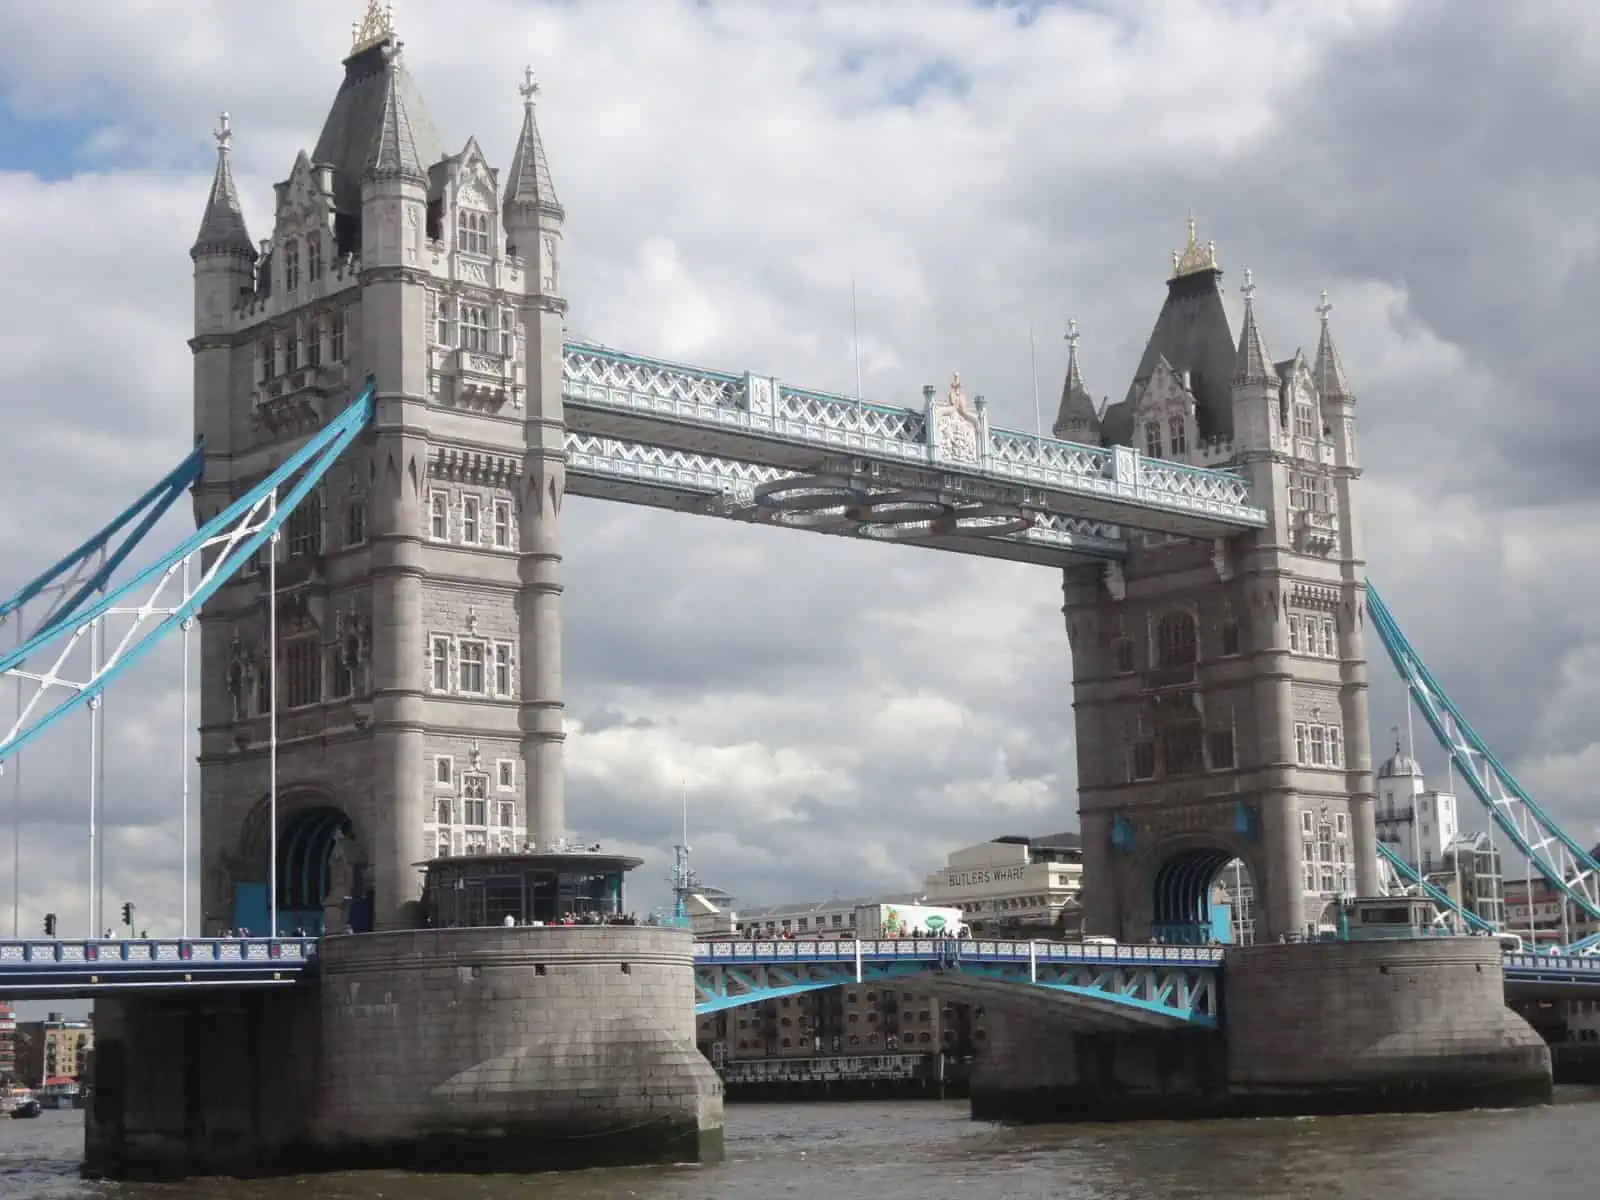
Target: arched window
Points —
{"points": [[1176, 640], [305, 527]]}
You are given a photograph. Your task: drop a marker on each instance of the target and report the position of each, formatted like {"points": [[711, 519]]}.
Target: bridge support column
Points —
{"points": [[1379, 1026]]}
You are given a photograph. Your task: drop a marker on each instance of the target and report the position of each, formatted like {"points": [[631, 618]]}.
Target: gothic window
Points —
{"points": [[1319, 748], [264, 688], [443, 770], [336, 337], [441, 333], [1152, 438], [439, 516], [506, 773], [1301, 749], [474, 790], [502, 669], [470, 507], [1305, 421], [1305, 822], [291, 349], [441, 816], [269, 358], [508, 814], [1220, 746], [1177, 436], [1175, 640], [302, 673], [1230, 637], [341, 672], [502, 524], [1144, 760], [305, 527], [1182, 746], [1294, 635], [1329, 642], [508, 332], [1122, 655], [472, 668], [1339, 826], [472, 231], [314, 343], [1335, 751], [291, 265], [355, 522], [439, 663], [473, 320], [314, 257]]}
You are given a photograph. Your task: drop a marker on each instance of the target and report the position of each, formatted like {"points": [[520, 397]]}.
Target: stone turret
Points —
{"points": [[1256, 416], [533, 219], [1077, 420]]}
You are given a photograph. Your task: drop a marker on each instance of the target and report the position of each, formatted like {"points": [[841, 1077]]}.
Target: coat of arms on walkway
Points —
{"points": [[956, 426]]}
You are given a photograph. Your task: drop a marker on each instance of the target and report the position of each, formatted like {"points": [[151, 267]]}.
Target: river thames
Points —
{"points": [[931, 1151]]}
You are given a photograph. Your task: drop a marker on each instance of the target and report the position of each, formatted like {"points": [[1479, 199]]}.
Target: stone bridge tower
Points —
{"points": [[418, 677], [1220, 688]]}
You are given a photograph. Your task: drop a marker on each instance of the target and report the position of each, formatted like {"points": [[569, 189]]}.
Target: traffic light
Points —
{"points": [[127, 913], [49, 924]]}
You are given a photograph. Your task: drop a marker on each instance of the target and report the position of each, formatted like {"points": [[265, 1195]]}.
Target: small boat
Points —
{"points": [[26, 1108]]}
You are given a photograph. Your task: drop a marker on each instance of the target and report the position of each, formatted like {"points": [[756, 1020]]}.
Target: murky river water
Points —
{"points": [[931, 1151]]}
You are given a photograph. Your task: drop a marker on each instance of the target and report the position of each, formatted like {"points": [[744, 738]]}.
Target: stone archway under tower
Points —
{"points": [[1202, 893], [323, 878]]}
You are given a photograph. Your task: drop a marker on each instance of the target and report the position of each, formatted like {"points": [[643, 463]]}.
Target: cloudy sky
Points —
{"points": [[843, 715]]}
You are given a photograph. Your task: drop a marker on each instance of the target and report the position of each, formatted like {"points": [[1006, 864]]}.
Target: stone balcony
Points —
{"points": [[1317, 532], [477, 380], [298, 401]]}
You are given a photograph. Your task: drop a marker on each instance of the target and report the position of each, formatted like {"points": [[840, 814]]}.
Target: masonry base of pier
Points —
{"points": [[1309, 1029], [450, 1050]]}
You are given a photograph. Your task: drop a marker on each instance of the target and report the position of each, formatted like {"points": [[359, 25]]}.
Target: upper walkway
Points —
{"points": [[61, 970]]}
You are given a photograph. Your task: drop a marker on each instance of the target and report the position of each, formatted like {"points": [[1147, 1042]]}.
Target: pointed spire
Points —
{"points": [[1329, 371], [222, 229], [529, 186], [1077, 417], [394, 153], [1252, 364]]}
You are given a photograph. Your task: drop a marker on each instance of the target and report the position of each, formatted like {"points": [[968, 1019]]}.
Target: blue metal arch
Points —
{"points": [[1181, 895], [305, 856]]}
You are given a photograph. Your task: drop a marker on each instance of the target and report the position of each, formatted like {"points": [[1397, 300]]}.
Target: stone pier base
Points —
{"points": [[1381, 1026], [456, 1050]]}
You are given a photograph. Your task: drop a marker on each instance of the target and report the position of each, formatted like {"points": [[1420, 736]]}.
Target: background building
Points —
{"points": [[8, 1042], [53, 1049], [1027, 886]]}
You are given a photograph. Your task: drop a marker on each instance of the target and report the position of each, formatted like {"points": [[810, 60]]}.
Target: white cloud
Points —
{"points": [[845, 714]]}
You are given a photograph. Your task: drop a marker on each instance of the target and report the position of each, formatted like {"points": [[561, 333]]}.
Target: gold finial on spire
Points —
{"points": [[530, 86], [1195, 257], [374, 29], [224, 135]]}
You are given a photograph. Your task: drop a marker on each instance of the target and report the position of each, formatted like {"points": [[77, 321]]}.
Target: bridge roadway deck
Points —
{"points": [[66, 969]]}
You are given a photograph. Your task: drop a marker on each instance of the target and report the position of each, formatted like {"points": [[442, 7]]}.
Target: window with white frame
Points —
{"points": [[502, 669], [336, 337], [442, 811], [473, 324], [502, 524], [1319, 745], [471, 507], [1305, 421], [1330, 644], [508, 814], [1335, 748], [1340, 824], [472, 665], [472, 231], [439, 516], [1302, 750], [474, 800], [1152, 438], [508, 332], [444, 769], [1177, 436], [1306, 821], [439, 663], [506, 774], [1294, 635]]}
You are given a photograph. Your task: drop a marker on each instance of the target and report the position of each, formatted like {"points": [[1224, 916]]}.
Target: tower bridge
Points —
{"points": [[390, 415]]}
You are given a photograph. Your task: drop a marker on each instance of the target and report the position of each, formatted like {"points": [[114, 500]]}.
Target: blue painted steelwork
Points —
{"points": [[1439, 898], [153, 505], [1554, 853], [69, 969], [1181, 913], [1577, 971], [1174, 985], [238, 533]]}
